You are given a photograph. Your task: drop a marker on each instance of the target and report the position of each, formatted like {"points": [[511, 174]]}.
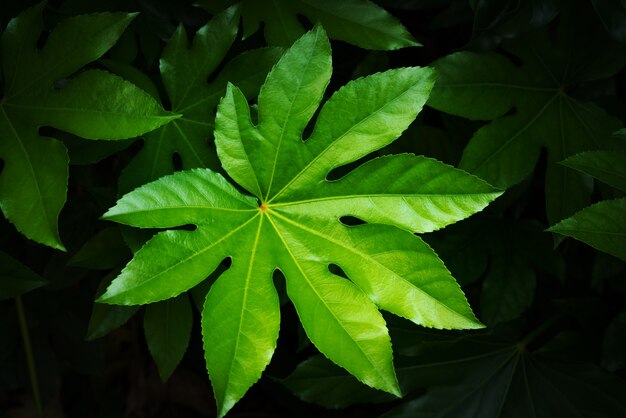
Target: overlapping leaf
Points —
{"points": [[16, 278], [293, 223], [482, 376], [93, 104], [359, 22], [185, 70], [505, 255], [602, 225], [532, 106], [498, 379]]}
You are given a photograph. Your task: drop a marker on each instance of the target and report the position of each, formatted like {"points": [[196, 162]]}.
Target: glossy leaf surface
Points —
{"points": [[292, 223]]}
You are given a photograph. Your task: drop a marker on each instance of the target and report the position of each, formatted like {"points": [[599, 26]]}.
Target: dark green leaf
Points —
{"points": [[167, 326], [16, 278], [37, 92], [603, 226], [488, 86]]}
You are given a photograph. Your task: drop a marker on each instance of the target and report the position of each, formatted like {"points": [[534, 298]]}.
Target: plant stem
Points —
{"points": [[531, 336], [30, 360]]}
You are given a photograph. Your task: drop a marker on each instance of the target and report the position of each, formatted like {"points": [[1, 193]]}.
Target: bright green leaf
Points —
{"points": [[603, 226], [167, 326], [293, 224], [39, 91]]}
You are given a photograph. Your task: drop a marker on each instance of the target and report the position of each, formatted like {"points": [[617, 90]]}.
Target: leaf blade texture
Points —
{"points": [[280, 226]]}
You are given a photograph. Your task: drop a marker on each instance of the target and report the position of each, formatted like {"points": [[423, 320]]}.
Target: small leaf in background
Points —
{"points": [[103, 251], [16, 278], [533, 106], [293, 224], [359, 22], [167, 326], [613, 353], [37, 92], [319, 381], [107, 318], [603, 226], [607, 166]]}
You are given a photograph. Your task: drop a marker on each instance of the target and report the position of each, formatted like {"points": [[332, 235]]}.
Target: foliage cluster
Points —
{"points": [[395, 208]]}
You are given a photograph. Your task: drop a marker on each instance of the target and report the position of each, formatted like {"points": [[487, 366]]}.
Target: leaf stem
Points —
{"points": [[531, 336], [30, 360]]}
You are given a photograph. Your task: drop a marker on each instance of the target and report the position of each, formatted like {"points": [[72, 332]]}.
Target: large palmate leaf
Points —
{"points": [[293, 223], [185, 70], [492, 379], [603, 225], [359, 22], [37, 92], [532, 106]]}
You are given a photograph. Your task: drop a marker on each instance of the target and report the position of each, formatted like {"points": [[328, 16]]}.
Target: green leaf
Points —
{"points": [[103, 251], [107, 318], [39, 90], [531, 107], [16, 278], [359, 22], [603, 226], [167, 326], [607, 166], [185, 69], [319, 381], [490, 379], [293, 223]]}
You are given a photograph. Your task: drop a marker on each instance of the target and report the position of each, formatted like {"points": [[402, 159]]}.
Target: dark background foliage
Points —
{"points": [[554, 307]]}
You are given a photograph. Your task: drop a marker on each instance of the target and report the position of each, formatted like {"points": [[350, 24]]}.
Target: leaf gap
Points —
{"points": [[186, 227], [515, 59], [337, 271], [339, 172], [177, 161], [512, 111], [46, 131], [42, 39], [351, 221], [306, 23]]}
